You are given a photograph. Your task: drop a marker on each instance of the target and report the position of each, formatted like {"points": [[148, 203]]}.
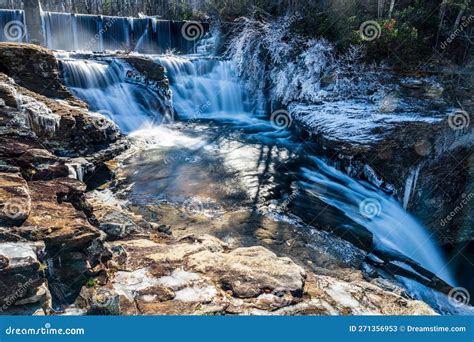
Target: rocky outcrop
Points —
{"points": [[204, 276], [30, 65], [48, 146], [189, 272]]}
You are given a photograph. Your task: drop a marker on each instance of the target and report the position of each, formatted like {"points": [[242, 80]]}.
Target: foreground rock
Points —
{"points": [[199, 275], [23, 286]]}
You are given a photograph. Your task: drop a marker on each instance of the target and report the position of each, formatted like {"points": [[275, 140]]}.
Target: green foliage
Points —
{"points": [[90, 282], [399, 40], [405, 37]]}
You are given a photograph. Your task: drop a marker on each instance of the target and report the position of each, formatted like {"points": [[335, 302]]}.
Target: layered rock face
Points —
{"points": [[48, 231]]}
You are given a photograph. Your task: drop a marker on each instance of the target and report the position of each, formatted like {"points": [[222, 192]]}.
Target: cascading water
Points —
{"points": [[392, 227], [74, 32], [103, 85]]}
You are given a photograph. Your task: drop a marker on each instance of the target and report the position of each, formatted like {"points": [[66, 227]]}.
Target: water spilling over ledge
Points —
{"points": [[73, 32]]}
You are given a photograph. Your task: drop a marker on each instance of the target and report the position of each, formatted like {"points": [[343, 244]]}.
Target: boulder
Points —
{"points": [[35, 68], [249, 272]]}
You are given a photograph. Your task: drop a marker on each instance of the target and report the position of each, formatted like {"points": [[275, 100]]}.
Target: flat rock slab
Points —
{"points": [[249, 272]]}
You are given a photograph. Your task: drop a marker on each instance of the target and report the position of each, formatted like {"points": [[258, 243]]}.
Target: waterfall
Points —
{"points": [[84, 32], [104, 86], [392, 227], [206, 90]]}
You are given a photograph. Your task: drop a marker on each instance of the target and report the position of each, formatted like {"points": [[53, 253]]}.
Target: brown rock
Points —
{"points": [[60, 225], [249, 272], [15, 201]]}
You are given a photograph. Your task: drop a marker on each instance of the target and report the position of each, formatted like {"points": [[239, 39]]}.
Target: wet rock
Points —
{"points": [[39, 164]]}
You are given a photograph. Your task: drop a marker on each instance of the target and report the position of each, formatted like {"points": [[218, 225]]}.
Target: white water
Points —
{"points": [[102, 84], [206, 90], [393, 227]]}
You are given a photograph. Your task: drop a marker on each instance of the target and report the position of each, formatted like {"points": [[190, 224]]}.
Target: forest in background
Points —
{"points": [[409, 30]]}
